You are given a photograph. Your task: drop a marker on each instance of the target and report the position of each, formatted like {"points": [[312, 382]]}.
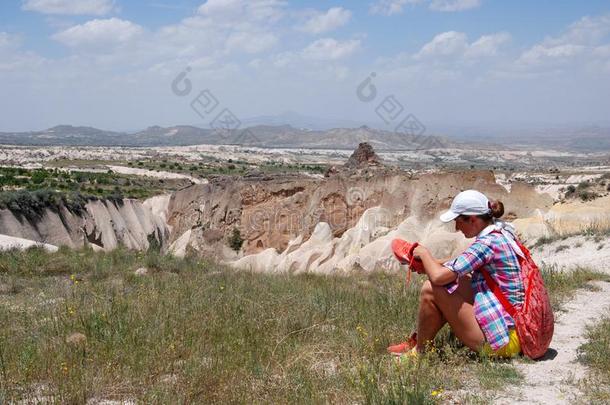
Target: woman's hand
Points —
{"points": [[417, 265], [420, 251], [437, 273]]}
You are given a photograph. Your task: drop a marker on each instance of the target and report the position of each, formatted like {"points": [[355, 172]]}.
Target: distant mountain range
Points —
{"points": [[297, 120], [585, 139], [268, 136]]}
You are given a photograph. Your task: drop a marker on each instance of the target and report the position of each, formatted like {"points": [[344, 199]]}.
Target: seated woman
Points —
{"points": [[456, 291]]}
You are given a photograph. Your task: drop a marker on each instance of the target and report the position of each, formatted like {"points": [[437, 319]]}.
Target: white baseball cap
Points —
{"points": [[469, 202]]}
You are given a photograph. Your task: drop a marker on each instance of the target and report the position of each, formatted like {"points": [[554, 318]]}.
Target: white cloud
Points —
{"points": [[232, 10], [487, 45], [454, 5], [250, 42], [390, 7], [70, 7], [602, 51], [444, 44], [455, 44], [330, 49], [284, 59], [540, 54], [12, 57], [586, 31], [577, 43], [99, 32], [219, 7], [6, 40], [323, 22], [220, 28]]}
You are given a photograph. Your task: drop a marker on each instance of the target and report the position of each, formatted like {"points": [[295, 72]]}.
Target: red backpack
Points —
{"points": [[534, 320]]}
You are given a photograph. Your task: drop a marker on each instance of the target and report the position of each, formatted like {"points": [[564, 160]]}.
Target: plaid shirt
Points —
{"points": [[493, 252]]}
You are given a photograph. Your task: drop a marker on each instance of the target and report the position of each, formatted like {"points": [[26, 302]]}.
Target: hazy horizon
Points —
{"points": [[326, 123]]}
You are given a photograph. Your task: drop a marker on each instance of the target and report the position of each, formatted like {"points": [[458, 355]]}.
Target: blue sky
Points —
{"points": [[111, 63]]}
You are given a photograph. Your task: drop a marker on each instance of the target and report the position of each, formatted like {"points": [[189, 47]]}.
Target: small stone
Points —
{"points": [[117, 283], [169, 379], [331, 171], [142, 271], [5, 288], [76, 339]]}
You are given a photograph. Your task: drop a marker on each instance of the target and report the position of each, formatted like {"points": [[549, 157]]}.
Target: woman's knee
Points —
{"points": [[426, 290]]}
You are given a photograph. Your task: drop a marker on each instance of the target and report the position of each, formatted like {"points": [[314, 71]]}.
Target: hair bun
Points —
{"points": [[497, 208]]}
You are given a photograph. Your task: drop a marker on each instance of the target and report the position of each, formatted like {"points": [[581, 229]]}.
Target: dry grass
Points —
{"points": [[596, 354], [79, 325]]}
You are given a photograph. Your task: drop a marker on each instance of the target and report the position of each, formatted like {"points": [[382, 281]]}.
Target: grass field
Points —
{"points": [[78, 326]]}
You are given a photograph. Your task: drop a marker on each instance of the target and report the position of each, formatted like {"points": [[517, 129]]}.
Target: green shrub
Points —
{"points": [[235, 240], [32, 204], [587, 195], [39, 176]]}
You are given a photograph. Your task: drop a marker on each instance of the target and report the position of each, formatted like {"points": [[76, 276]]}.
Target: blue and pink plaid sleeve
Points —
{"points": [[476, 256]]}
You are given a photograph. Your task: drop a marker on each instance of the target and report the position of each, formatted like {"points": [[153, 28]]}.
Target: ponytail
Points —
{"points": [[497, 208]]}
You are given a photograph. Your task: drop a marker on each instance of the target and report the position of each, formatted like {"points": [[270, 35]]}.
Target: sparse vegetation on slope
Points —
{"points": [[596, 354], [31, 204], [588, 190], [562, 284], [211, 166], [66, 184]]}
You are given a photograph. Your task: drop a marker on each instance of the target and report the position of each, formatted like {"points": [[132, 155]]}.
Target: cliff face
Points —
{"points": [[103, 224], [272, 212]]}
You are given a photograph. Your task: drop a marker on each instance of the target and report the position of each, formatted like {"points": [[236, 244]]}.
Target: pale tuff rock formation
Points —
{"points": [[54, 227], [566, 219], [128, 223], [158, 206], [11, 242], [365, 247], [179, 246], [203, 242], [103, 224]]}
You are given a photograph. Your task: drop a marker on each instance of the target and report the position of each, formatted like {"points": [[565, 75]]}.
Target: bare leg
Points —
{"points": [[430, 319], [437, 306]]}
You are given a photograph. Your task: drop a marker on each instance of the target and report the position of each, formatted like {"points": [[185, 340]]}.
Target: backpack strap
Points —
{"points": [[495, 288]]}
